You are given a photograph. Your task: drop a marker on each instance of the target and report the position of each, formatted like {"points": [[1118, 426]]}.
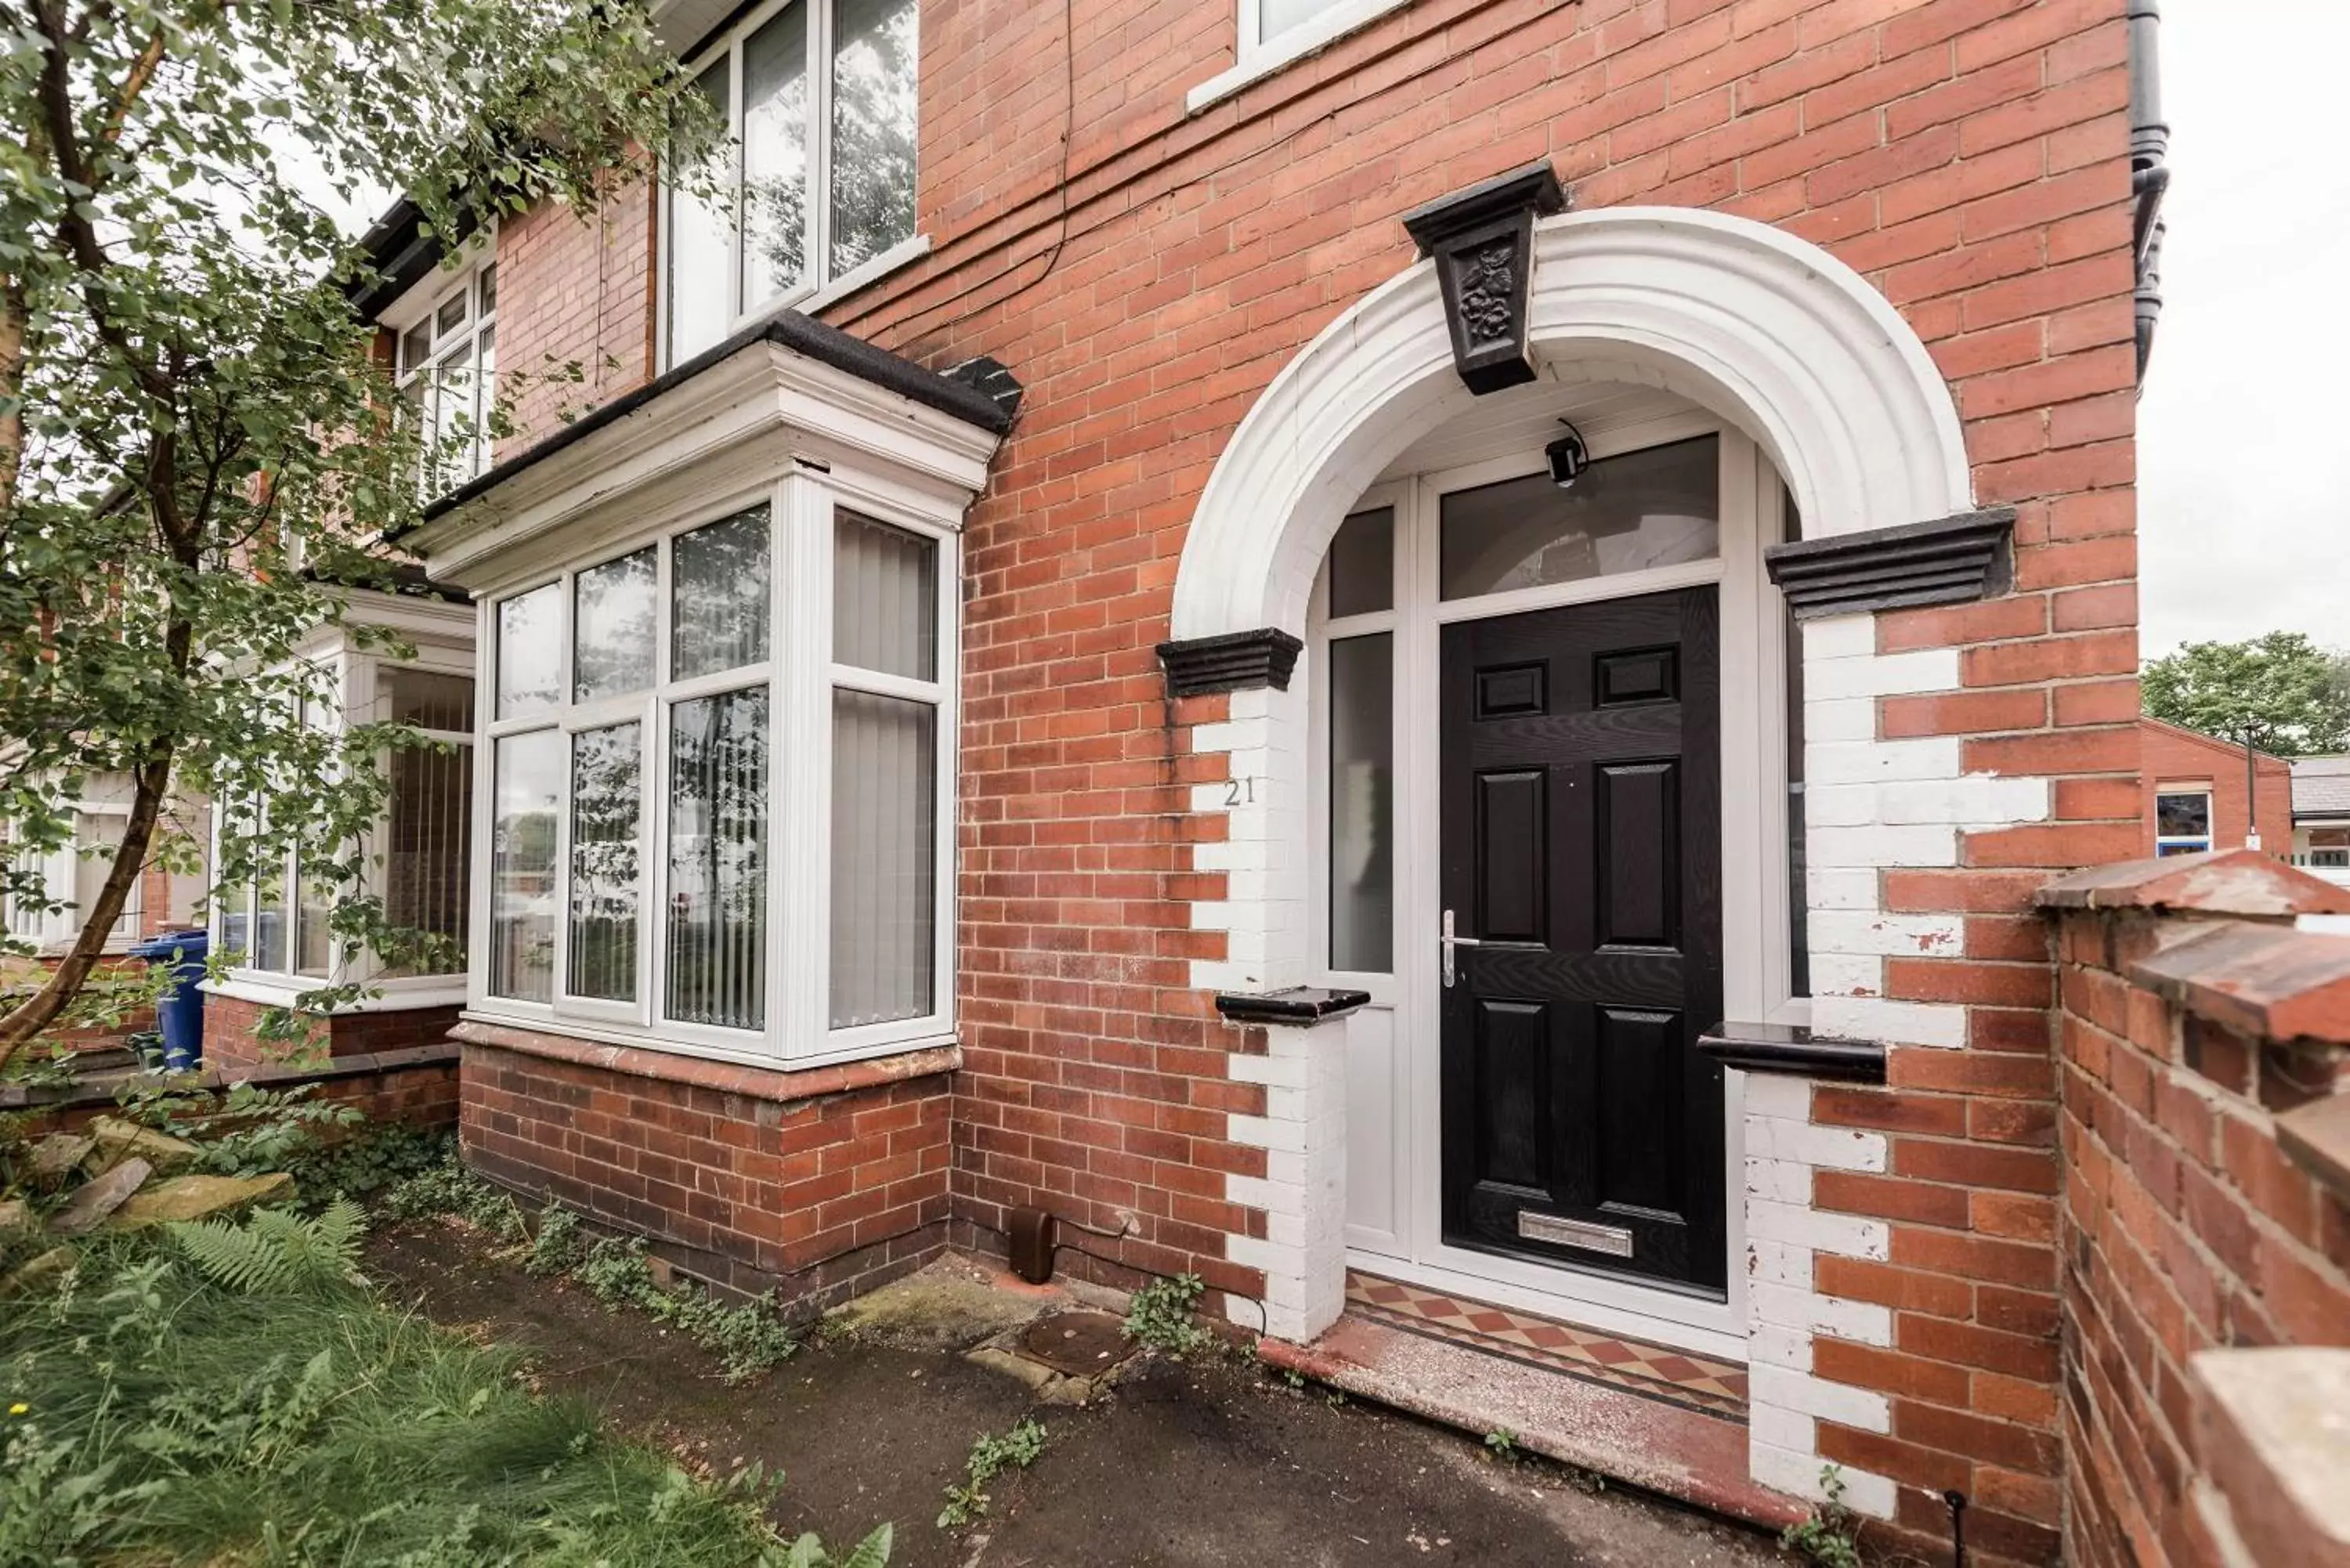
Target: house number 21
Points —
{"points": [[1239, 792]]}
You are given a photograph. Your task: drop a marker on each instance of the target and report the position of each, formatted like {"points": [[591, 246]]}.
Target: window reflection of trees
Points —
{"points": [[718, 610], [775, 156], [606, 768], [717, 860], [874, 72], [612, 647], [522, 866]]}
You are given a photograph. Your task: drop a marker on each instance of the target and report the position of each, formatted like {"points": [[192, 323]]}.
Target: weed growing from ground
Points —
{"points": [[1501, 1443], [555, 1246], [1158, 1316], [1831, 1536], [990, 1455], [449, 1189], [748, 1339]]}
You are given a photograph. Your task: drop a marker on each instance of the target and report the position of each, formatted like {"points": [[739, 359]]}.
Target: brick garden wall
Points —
{"points": [[233, 1044], [815, 1184], [2190, 1038]]}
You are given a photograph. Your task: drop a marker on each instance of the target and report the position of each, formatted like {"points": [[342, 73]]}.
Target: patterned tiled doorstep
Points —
{"points": [[1676, 1377]]}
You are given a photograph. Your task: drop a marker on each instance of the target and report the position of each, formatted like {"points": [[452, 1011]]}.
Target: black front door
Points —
{"points": [[1582, 827]]}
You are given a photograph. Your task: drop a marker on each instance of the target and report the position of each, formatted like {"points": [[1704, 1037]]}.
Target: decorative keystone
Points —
{"points": [[1483, 241], [2271, 982], [2241, 882], [1951, 560], [1234, 661]]}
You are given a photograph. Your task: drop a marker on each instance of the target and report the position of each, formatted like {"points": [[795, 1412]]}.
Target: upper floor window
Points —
{"points": [[447, 368], [817, 97], [2182, 822]]}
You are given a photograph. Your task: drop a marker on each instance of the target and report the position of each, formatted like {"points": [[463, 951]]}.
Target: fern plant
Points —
{"points": [[808, 1552], [276, 1251]]}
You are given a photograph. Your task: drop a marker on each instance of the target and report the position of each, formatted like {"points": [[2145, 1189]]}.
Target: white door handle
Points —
{"points": [[1448, 941]]}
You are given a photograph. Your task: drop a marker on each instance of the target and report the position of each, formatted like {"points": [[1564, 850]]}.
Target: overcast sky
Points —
{"points": [[2244, 435]]}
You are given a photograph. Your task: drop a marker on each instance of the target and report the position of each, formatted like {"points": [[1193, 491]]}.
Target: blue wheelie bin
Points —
{"points": [[181, 1010]]}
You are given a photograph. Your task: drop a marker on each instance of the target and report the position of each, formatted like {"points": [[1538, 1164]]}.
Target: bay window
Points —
{"points": [[74, 874], [815, 176], [275, 929], [718, 761]]}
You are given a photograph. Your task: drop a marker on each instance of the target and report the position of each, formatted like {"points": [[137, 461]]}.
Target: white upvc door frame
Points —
{"points": [[1756, 912]]}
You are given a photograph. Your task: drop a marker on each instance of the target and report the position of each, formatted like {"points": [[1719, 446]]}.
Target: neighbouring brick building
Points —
{"points": [[2196, 787], [1400, 653]]}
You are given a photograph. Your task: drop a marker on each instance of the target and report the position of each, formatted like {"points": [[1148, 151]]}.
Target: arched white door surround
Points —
{"points": [[1764, 328]]}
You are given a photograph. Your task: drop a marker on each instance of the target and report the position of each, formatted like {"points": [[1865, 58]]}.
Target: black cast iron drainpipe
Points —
{"points": [[2149, 171]]}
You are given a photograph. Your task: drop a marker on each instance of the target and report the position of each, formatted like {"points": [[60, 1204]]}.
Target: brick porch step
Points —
{"points": [[1688, 1455]]}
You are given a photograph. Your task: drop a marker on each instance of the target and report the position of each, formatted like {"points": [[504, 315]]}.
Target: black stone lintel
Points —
{"points": [[1482, 241], [1792, 1049], [1296, 1006], [1948, 561], [1234, 661]]}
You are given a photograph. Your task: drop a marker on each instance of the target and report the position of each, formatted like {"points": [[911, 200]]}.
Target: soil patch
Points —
{"points": [[1180, 1464]]}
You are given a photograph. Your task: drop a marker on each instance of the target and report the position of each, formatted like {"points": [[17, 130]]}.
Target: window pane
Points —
{"points": [[451, 315], [425, 698], [700, 241], [1799, 926], [428, 852], [1658, 507], [269, 934], [2182, 815], [1362, 803], [884, 858], [488, 288], [522, 866], [775, 156], [313, 935], [530, 651], [884, 597], [1362, 563], [1275, 18], [612, 627], [873, 128], [605, 769], [718, 597], [416, 347], [101, 831], [718, 860]]}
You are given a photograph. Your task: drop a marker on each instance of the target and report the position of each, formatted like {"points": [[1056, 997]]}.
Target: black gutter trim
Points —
{"points": [[1294, 1006], [801, 335], [398, 255], [1791, 1049], [409, 580]]}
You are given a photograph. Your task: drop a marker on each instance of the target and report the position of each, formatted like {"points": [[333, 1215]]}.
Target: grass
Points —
{"points": [[151, 1414]]}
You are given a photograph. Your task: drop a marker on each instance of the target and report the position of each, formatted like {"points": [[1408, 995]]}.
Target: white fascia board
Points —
{"points": [[754, 411]]}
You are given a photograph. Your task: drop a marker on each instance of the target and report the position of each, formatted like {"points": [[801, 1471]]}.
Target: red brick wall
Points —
{"points": [[816, 1196], [1147, 272], [418, 1087], [2185, 1227], [232, 1043], [2172, 756], [573, 292]]}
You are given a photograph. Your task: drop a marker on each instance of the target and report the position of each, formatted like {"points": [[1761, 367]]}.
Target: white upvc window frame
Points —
{"points": [[53, 932], [2187, 843], [800, 676], [818, 285], [1255, 56], [419, 309], [355, 683]]}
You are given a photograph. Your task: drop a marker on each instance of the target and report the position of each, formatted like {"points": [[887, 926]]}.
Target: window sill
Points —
{"points": [[779, 1083], [1265, 59], [864, 275], [399, 996]]}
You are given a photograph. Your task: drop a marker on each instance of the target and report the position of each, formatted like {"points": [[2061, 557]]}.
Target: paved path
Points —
{"points": [[1184, 1465]]}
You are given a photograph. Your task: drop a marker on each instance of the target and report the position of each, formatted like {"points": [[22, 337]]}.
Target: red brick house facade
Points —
{"points": [[2196, 793], [1059, 672]]}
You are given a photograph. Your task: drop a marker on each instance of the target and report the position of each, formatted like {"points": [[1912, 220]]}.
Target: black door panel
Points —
{"points": [[1582, 850]]}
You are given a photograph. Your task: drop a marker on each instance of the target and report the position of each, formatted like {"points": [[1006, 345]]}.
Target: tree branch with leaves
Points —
{"points": [[196, 458]]}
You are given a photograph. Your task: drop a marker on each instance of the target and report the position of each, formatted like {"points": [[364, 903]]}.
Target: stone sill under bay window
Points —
{"points": [[752, 1078], [671, 696]]}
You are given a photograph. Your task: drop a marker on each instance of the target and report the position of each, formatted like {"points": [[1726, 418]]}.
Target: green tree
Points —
{"points": [[195, 458], [2282, 691]]}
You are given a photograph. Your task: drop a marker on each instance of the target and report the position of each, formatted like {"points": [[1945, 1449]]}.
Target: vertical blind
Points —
{"points": [[429, 851], [605, 777], [884, 776], [718, 860]]}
